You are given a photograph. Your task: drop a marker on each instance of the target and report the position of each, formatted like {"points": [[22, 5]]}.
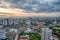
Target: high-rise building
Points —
{"points": [[46, 33], [5, 22], [2, 34]]}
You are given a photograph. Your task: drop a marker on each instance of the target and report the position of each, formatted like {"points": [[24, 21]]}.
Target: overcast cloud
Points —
{"points": [[32, 5]]}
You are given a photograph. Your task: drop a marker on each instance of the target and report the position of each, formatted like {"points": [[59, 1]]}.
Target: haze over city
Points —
{"points": [[29, 19]]}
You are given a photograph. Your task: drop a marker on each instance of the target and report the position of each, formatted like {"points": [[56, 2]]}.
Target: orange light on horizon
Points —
{"points": [[20, 12]]}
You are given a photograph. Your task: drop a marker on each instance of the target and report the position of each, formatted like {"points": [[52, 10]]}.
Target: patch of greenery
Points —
{"points": [[58, 36], [33, 35], [56, 28]]}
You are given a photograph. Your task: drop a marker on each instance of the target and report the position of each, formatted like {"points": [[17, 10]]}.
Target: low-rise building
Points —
{"points": [[41, 24]]}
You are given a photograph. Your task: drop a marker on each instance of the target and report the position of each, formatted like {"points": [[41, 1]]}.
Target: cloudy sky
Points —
{"points": [[44, 7]]}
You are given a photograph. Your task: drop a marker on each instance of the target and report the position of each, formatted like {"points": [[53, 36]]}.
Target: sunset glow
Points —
{"points": [[20, 12]]}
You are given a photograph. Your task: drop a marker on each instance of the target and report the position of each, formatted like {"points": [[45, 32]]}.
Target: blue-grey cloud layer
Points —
{"points": [[33, 5]]}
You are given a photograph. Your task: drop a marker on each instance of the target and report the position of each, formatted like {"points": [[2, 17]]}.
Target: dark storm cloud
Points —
{"points": [[33, 5]]}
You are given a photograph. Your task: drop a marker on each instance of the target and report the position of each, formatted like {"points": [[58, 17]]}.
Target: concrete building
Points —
{"points": [[41, 24], [45, 33], [2, 34], [5, 22]]}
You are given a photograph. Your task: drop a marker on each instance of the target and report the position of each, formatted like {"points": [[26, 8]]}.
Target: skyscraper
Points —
{"points": [[5, 22], [46, 34]]}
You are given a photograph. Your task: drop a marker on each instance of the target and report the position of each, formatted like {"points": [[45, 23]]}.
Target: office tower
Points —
{"points": [[5, 22], [46, 34], [2, 34]]}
